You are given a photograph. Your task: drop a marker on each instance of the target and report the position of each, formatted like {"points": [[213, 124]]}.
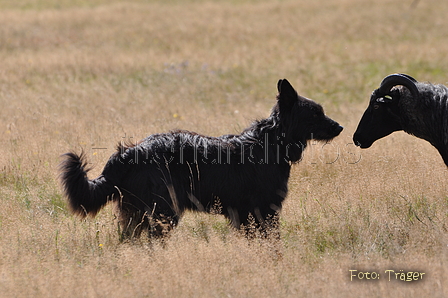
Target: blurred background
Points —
{"points": [[85, 75]]}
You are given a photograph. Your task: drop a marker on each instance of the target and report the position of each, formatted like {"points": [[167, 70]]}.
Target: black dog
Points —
{"points": [[246, 175]]}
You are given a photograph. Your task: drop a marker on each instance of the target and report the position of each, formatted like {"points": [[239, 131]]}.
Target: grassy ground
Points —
{"points": [[86, 74]]}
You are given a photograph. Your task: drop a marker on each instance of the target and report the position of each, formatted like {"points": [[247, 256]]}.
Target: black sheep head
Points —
{"points": [[383, 116]]}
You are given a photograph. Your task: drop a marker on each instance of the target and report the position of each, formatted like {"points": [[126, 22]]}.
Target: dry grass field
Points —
{"points": [[86, 74]]}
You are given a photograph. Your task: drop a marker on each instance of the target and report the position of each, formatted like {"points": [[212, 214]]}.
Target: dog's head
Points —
{"points": [[301, 118]]}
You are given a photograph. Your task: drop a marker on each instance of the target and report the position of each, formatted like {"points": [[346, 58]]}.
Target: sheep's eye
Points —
{"points": [[376, 107]]}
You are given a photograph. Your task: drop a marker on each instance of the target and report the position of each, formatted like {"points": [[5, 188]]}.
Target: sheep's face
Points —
{"points": [[379, 120]]}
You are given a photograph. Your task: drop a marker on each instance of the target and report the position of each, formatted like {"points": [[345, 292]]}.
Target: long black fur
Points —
{"points": [[242, 176]]}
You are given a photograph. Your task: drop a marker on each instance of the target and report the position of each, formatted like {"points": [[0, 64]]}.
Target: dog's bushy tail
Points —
{"points": [[86, 197]]}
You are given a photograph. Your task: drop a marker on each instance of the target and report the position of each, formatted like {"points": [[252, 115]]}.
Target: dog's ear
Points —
{"points": [[287, 96]]}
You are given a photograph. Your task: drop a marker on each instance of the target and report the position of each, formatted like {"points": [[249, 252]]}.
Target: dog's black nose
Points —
{"points": [[339, 129]]}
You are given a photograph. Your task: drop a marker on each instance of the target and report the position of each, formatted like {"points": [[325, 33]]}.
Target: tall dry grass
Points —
{"points": [[84, 75]]}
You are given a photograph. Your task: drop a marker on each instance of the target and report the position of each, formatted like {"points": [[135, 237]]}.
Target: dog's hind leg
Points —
{"points": [[132, 222], [160, 225]]}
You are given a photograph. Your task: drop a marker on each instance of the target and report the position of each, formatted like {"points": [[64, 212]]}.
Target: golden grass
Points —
{"points": [[85, 75]]}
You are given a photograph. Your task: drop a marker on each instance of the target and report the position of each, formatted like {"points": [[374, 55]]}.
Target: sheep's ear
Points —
{"points": [[286, 94]]}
